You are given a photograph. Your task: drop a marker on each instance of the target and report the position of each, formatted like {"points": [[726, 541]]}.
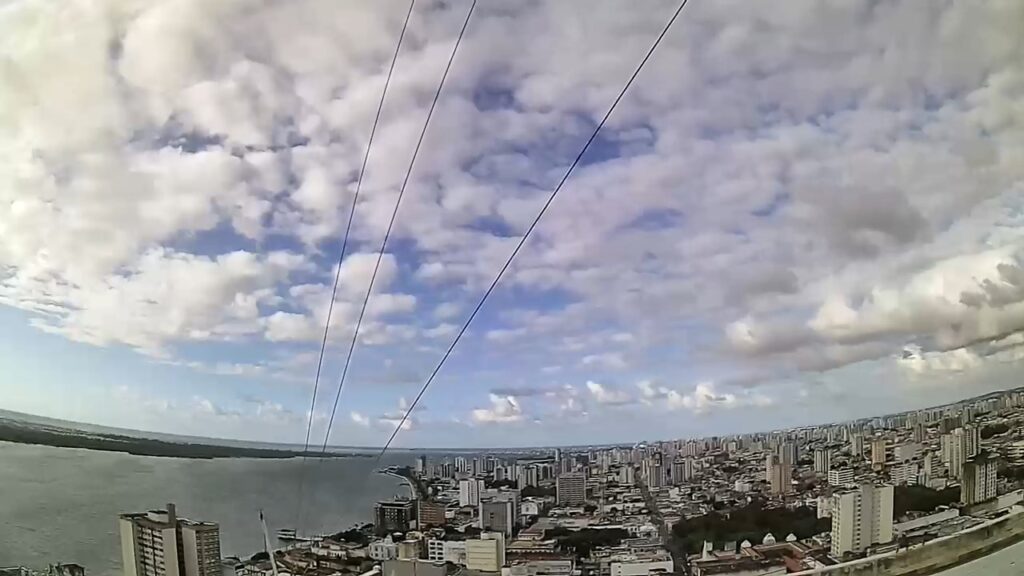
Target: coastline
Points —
{"points": [[19, 432]]}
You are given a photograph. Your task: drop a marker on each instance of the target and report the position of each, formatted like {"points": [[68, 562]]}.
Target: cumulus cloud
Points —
{"points": [[503, 410], [606, 395], [174, 173]]}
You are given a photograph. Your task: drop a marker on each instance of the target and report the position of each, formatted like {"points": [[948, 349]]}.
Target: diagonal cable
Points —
{"points": [[391, 223], [344, 247], [529, 230]]}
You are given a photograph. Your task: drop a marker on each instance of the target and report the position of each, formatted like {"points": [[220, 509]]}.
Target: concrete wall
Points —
{"points": [[937, 554]]}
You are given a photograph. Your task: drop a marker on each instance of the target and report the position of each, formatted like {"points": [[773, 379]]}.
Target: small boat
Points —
{"points": [[286, 534]]}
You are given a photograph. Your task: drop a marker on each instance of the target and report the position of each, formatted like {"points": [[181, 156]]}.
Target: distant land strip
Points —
{"points": [[44, 435]]}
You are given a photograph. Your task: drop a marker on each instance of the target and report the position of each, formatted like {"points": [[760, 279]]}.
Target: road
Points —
{"points": [[679, 557]]}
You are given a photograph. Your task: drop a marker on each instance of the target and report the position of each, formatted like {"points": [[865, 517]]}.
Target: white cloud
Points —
{"points": [[359, 419], [609, 360], [608, 396], [503, 410], [150, 159]]}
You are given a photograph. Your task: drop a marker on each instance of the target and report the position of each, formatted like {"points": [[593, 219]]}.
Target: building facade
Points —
{"points": [[978, 483], [158, 543], [394, 516], [861, 517], [486, 554], [571, 488]]}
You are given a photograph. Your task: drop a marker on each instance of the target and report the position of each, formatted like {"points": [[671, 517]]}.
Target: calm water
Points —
{"points": [[61, 504]]}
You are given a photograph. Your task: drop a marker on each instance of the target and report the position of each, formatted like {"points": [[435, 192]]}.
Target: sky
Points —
{"points": [[801, 212]]}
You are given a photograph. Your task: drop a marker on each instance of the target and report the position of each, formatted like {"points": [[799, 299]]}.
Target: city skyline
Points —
{"points": [[766, 233], [512, 449]]}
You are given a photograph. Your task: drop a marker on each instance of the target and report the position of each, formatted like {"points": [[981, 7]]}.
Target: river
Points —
{"points": [[61, 504]]}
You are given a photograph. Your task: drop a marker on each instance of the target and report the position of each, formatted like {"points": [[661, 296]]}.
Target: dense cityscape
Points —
{"points": [[810, 499]]}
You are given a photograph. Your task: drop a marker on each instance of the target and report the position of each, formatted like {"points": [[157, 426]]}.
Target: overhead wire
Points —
{"points": [[344, 247], [529, 230], [391, 222]]}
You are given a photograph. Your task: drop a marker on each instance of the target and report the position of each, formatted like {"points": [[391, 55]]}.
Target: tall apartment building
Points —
{"points": [[857, 445], [958, 446], [878, 452], [158, 543], [978, 483], [840, 476], [682, 470], [571, 488], [394, 516], [822, 460], [861, 517], [469, 491], [498, 515], [780, 475]]}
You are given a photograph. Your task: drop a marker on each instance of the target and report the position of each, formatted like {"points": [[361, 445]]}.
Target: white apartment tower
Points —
{"points": [[158, 543], [822, 460], [469, 491], [861, 517]]}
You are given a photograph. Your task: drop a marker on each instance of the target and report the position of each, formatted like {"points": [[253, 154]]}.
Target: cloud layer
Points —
{"points": [[789, 193]]}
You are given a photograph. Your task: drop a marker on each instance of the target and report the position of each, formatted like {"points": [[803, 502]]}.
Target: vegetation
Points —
{"points": [[1012, 472], [921, 499], [28, 433], [355, 535], [994, 430], [750, 522], [537, 491], [259, 557], [500, 483], [581, 542]]}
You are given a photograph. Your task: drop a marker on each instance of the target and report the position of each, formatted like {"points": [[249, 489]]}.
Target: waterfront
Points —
{"points": [[61, 504]]}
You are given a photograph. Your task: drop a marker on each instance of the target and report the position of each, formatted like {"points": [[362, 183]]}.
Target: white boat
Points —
{"points": [[286, 534]]}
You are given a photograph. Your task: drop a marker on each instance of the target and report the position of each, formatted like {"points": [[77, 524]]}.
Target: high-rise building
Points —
{"points": [[857, 445], [486, 554], [919, 432], [158, 543], [788, 452], [878, 452], [682, 470], [571, 488], [653, 473], [627, 475], [421, 465], [822, 460], [461, 464], [780, 474], [904, 473], [958, 446], [429, 513], [499, 473], [469, 491], [394, 516], [861, 517], [840, 476], [498, 515], [978, 483]]}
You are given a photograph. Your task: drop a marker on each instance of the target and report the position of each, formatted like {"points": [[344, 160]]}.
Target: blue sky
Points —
{"points": [[799, 213]]}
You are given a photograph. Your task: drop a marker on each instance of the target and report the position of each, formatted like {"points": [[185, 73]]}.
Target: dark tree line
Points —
{"points": [[750, 522]]}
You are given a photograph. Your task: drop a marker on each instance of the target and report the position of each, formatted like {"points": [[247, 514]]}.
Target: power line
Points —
{"points": [[344, 247], [391, 223], [529, 230]]}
